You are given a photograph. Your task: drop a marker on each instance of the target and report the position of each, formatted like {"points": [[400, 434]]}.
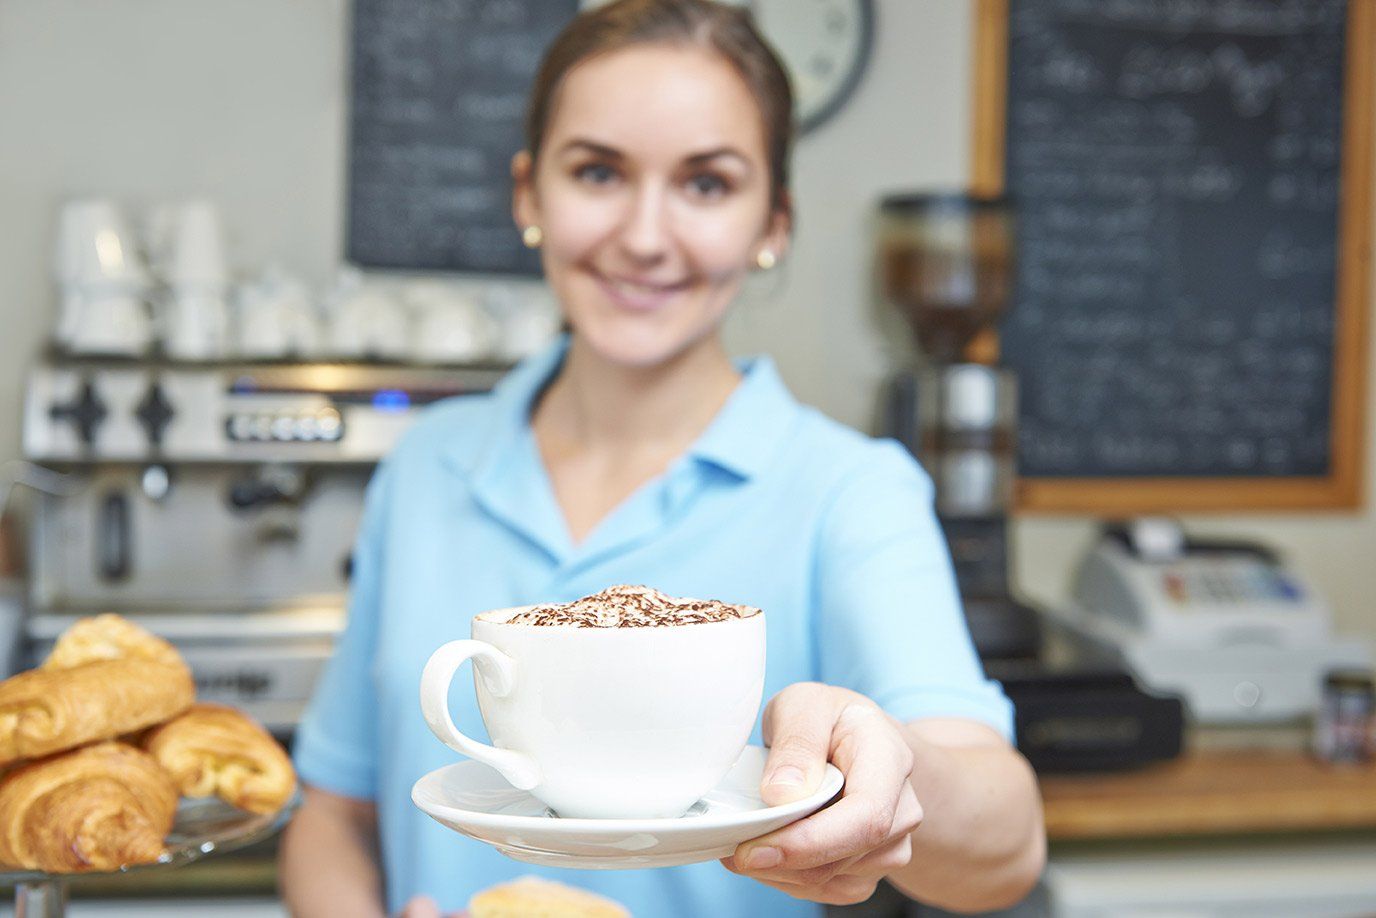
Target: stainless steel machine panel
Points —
{"points": [[111, 547], [84, 412]]}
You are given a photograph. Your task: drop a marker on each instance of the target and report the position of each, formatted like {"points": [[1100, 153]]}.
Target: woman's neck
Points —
{"points": [[594, 405]]}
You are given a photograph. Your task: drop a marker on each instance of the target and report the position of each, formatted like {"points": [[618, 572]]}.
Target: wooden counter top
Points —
{"points": [[1209, 793]]}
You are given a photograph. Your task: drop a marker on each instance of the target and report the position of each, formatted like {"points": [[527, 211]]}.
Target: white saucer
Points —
{"points": [[475, 800]]}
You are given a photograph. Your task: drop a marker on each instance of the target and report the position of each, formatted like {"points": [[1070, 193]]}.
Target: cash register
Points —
{"points": [[1237, 633]]}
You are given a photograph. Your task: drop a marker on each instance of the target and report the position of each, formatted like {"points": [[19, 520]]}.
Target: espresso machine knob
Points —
{"points": [[154, 413], [86, 412]]}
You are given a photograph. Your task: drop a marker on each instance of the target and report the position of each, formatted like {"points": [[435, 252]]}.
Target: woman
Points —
{"points": [[635, 451]]}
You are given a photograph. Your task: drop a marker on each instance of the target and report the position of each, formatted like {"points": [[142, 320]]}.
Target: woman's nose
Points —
{"points": [[645, 232]]}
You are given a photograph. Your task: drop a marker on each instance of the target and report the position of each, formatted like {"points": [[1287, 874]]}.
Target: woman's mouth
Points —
{"points": [[637, 295]]}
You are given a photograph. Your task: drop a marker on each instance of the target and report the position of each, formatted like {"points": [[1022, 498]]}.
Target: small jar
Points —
{"points": [[1345, 729]]}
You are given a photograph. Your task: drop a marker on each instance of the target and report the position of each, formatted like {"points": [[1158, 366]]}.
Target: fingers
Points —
{"points": [[801, 863], [839, 883], [842, 890], [880, 863], [797, 728], [878, 802]]}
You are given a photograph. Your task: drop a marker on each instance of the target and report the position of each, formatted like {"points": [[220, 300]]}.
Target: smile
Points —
{"points": [[639, 296]]}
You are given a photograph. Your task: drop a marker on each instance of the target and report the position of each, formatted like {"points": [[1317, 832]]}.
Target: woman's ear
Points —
{"points": [[778, 233], [523, 207]]}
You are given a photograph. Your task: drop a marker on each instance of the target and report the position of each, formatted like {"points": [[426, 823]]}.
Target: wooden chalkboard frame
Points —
{"points": [[1342, 488]]}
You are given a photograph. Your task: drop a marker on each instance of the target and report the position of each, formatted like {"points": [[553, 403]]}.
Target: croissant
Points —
{"points": [[214, 749], [108, 637], [48, 710], [529, 896], [95, 808]]}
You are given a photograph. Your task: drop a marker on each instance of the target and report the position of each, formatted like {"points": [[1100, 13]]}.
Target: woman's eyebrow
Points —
{"points": [[706, 155], [592, 146]]}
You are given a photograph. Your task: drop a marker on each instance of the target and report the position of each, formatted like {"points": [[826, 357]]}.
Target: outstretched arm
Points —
{"points": [[944, 809]]}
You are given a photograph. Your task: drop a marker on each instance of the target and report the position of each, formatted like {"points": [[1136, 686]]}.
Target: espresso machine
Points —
{"points": [[946, 265], [215, 504]]}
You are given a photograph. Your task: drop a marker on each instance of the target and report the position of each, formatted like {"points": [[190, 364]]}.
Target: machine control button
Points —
{"points": [[155, 412], [239, 427], [323, 425], [156, 482], [330, 425], [86, 413], [1247, 694]]}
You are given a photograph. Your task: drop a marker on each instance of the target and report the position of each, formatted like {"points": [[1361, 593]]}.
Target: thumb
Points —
{"points": [[797, 728], [420, 907]]}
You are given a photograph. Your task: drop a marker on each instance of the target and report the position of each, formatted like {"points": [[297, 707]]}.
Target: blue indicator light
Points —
{"points": [[391, 400]]}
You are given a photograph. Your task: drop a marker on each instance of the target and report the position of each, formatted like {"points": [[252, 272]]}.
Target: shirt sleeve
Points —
{"points": [[890, 623], [335, 747]]}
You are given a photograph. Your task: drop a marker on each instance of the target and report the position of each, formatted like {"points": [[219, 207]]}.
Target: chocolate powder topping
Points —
{"points": [[625, 606]]}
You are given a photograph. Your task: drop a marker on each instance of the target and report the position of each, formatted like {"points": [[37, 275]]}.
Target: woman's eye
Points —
{"points": [[708, 185], [595, 173]]}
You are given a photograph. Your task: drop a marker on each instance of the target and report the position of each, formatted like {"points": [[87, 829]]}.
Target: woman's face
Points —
{"points": [[653, 193]]}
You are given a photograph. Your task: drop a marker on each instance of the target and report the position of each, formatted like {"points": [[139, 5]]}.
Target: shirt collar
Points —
{"points": [[750, 427], [741, 439]]}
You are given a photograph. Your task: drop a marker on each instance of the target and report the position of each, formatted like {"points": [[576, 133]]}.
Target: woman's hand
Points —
{"points": [[839, 854]]}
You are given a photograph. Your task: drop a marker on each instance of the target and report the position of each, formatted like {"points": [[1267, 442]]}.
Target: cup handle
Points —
{"points": [[498, 671]]}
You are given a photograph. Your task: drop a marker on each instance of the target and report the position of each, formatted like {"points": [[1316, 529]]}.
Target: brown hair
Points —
{"points": [[727, 30]]}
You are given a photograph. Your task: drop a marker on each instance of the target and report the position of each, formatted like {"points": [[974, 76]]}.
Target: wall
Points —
{"points": [[244, 102]]}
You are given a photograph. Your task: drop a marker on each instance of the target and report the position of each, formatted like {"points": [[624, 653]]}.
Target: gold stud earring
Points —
{"points": [[532, 236], [766, 259]]}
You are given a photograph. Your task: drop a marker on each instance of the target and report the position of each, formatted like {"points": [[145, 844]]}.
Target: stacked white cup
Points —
{"points": [[102, 281], [364, 321], [451, 325], [277, 318], [190, 255]]}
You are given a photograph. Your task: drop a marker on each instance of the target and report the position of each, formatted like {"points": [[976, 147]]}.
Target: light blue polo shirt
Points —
{"points": [[775, 506]]}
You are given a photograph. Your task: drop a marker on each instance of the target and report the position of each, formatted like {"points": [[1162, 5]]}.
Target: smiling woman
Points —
{"points": [[656, 191], [636, 451]]}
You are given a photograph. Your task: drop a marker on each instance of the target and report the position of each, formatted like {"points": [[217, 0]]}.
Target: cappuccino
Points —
{"points": [[626, 606]]}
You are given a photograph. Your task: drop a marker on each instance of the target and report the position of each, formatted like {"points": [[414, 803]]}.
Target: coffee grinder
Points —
{"points": [[946, 264]]}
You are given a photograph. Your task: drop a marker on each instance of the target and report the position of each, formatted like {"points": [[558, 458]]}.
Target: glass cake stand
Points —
{"points": [[203, 827]]}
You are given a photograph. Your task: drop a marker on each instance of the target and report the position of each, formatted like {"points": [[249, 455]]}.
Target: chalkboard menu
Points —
{"points": [[436, 113], [1179, 177]]}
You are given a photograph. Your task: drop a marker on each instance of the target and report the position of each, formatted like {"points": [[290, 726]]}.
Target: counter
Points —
{"points": [[1212, 792]]}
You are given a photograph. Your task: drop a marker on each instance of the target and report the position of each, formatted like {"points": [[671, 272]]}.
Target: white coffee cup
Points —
{"points": [[606, 723], [103, 283], [276, 318], [451, 325], [364, 321], [195, 324], [96, 249]]}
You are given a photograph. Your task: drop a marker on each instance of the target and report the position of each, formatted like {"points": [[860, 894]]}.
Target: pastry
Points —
{"points": [[531, 897], [108, 637], [43, 711], [213, 749], [95, 808]]}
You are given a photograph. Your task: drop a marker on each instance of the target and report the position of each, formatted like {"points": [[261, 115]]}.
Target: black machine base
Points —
{"points": [[1088, 720]]}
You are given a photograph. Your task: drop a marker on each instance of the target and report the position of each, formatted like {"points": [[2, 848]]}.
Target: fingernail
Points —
{"points": [[763, 858], [787, 775]]}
